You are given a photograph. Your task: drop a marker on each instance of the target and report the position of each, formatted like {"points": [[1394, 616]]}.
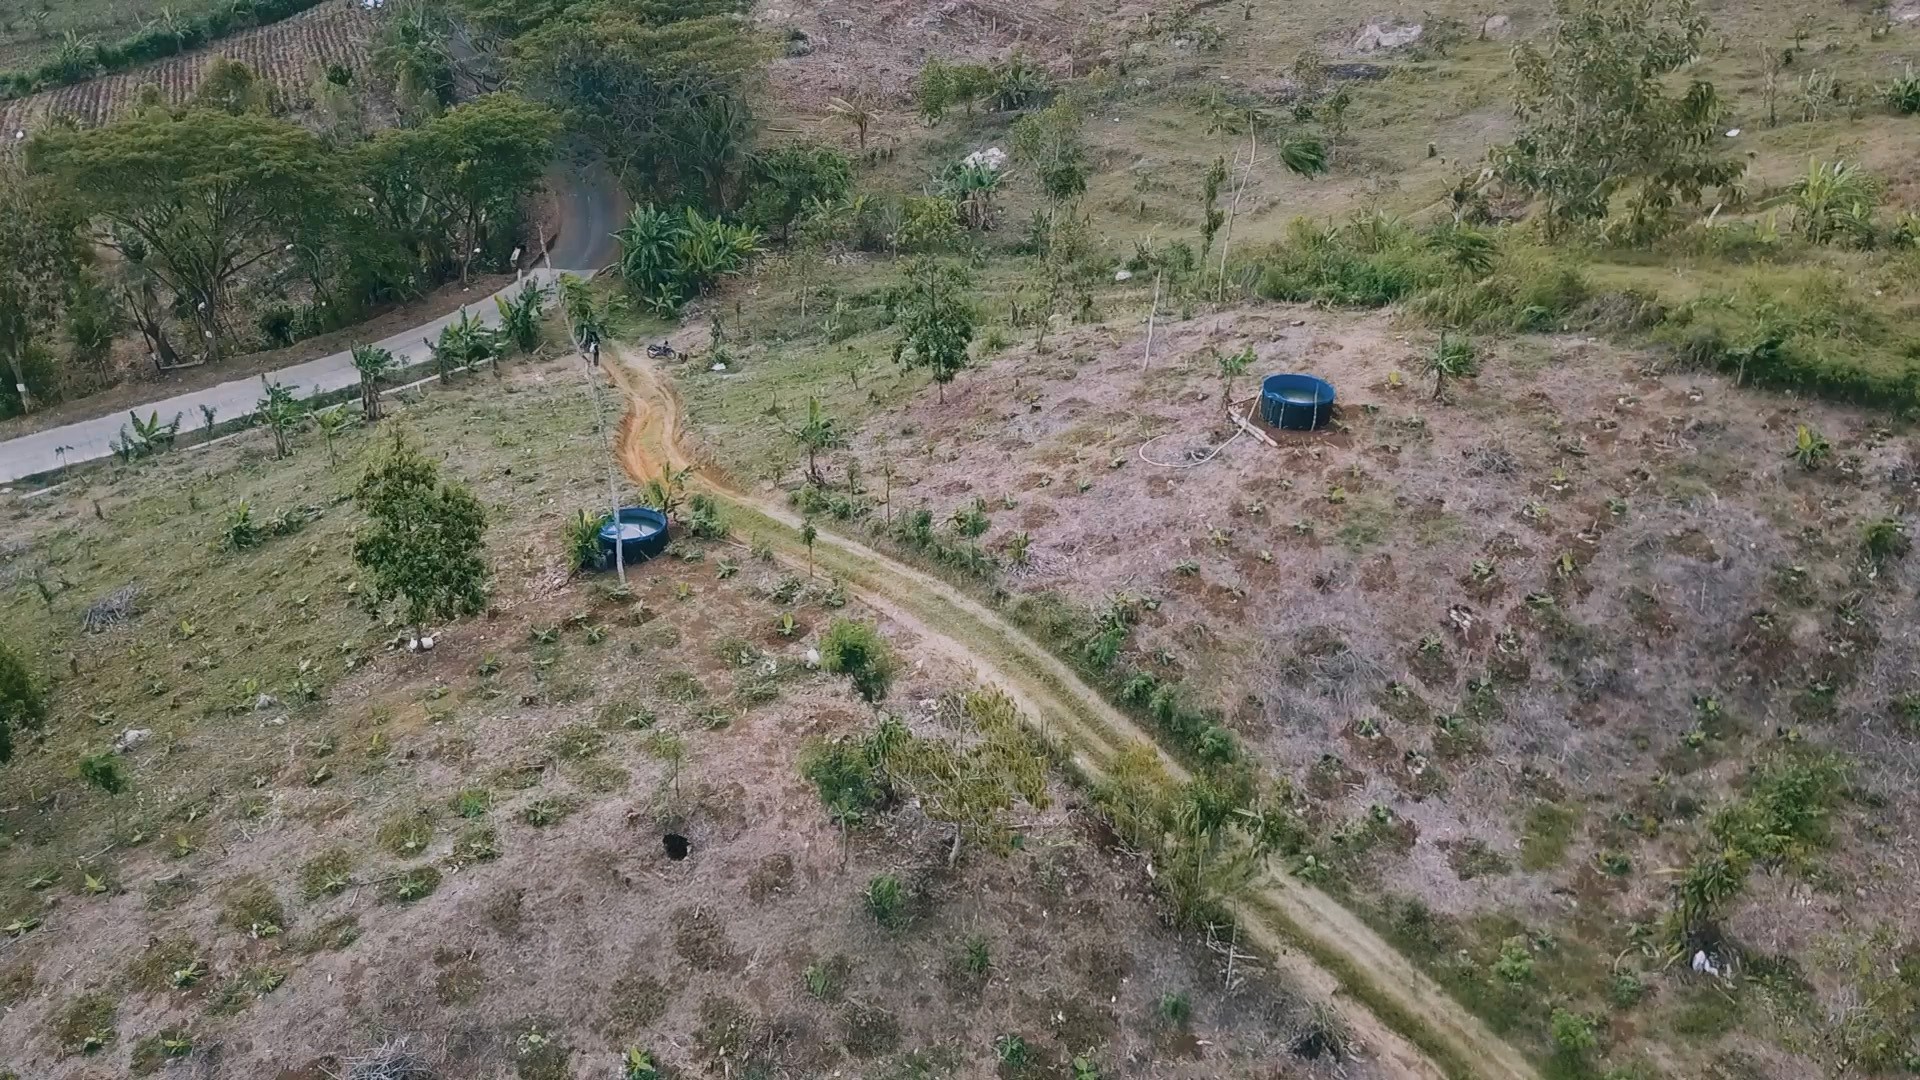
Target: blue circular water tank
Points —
{"points": [[1296, 402], [641, 532]]}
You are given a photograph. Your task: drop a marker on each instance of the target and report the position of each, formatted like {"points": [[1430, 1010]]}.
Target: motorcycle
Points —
{"points": [[662, 351]]}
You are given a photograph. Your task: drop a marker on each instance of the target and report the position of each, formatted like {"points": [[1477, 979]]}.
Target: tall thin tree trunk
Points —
{"points": [[1226, 241], [20, 378]]}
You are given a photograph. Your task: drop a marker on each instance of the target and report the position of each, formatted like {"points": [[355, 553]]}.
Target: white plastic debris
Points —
{"points": [[992, 159], [813, 658], [1733, 133], [132, 739], [1703, 964], [1123, 275], [420, 644], [718, 367]]}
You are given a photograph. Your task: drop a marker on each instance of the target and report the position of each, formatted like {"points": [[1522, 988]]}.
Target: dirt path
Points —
{"points": [[1406, 1020]]}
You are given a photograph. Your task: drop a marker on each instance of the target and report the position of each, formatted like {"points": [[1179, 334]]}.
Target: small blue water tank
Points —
{"points": [[641, 532], [1296, 402]]}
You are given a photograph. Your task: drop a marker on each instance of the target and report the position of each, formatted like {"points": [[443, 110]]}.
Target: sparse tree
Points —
{"points": [[1595, 118], [808, 534], [332, 423], [936, 321], [1452, 358], [423, 541], [1232, 366], [1211, 216]]}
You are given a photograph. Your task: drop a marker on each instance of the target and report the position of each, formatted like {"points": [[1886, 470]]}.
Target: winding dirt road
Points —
{"points": [[1406, 1020]]}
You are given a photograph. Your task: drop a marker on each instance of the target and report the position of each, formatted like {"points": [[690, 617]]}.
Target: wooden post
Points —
{"points": [[1146, 360]]}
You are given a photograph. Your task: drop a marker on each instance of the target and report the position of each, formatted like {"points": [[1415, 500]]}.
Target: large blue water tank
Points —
{"points": [[1296, 402]]}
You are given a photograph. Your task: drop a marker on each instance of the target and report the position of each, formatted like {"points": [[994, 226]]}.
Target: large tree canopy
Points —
{"points": [[657, 85], [457, 179], [198, 197]]}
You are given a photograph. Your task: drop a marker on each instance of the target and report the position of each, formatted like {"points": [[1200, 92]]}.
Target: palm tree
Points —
{"points": [[855, 113], [817, 434], [373, 363]]}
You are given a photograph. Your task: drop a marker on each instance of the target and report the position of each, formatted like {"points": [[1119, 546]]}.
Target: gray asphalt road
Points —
{"points": [[591, 207]]}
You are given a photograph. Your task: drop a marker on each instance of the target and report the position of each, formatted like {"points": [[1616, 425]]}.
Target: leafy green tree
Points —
{"points": [[935, 319], [198, 198], [37, 258], [232, 87], [457, 181], [22, 703], [423, 541], [1050, 139], [786, 180], [856, 650], [1596, 119]]}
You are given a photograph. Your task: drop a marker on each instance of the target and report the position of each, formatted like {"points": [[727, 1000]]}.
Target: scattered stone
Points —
{"points": [[1497, 27], [132, 739], [992, 159], [265, 702], [1375, 37]]}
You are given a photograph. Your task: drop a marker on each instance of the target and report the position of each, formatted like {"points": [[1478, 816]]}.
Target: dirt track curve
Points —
{"points": [[1408, 1022]]}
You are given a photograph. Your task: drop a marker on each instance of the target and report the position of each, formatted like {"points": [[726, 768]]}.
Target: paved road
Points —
{"points": [[591, 206]]}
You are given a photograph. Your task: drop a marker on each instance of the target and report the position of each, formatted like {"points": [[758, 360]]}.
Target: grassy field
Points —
{"points": [[326, 841]]}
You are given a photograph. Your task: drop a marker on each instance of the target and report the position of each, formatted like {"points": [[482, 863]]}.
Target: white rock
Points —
{"points": [[1376, 36], [813, 658], [992, 159], [1497, 26], [1123, 275], [265, 702], [132, 739]]}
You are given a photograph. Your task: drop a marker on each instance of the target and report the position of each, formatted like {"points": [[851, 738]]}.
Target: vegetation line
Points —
{"points": [[1407, 1004]]}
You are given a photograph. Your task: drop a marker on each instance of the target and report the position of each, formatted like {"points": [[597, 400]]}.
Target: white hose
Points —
{"points": [[1197, 462]]}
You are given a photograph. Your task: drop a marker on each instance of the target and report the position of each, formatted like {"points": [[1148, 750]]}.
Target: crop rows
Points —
{"points": [[286, 54]]}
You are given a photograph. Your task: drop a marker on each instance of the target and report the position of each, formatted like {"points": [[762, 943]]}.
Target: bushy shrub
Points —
{"points": [[855, 649], [668, 257], [22, 703]]}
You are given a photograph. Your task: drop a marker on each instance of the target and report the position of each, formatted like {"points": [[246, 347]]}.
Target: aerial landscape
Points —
{"points": [[566, 539]]}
